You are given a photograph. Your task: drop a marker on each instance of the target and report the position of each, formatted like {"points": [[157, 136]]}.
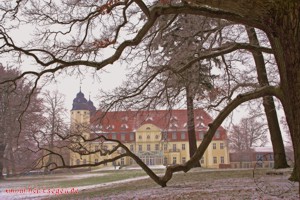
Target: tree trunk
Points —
{"points": [[285, 41], [2, 148], [10, 158], [191, 124], [269, 106]]}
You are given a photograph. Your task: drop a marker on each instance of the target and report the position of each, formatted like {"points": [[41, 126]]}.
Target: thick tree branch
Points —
{"points": [[261, 92]]}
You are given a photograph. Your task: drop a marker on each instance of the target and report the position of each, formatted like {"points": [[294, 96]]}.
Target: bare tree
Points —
{"points": [[99, 25], [55, 114], [248, 134], [16, 129]]}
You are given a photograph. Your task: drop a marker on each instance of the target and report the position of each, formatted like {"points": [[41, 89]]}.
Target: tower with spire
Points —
{"points": [[82, 109]]}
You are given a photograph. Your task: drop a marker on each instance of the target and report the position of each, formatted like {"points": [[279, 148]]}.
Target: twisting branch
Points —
{"points": [[224, 49], [162, 181], [261, 92]]}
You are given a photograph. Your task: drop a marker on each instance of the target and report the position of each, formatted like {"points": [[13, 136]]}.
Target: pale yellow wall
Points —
{"points": [[80, 121], [149, 134], [216, 152], [80, 116]]}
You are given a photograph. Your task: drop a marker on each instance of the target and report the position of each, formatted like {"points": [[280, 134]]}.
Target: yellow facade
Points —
{"points": [[149, 142], [150, 147]]}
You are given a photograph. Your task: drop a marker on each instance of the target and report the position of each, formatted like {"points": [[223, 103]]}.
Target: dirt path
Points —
{"points": [[11, 191]]}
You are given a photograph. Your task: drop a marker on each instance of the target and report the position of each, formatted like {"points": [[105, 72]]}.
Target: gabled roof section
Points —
{"points": [[166, 120]]}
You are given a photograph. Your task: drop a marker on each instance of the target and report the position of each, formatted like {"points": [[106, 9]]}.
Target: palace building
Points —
{"points": [[158, 137]]}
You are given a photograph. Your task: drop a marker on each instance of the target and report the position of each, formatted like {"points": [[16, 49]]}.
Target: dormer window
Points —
{"points": [[201, 125], [124, 126], [174, 125], [124, 119], [110, 127], [149, 119], [173, 118]]}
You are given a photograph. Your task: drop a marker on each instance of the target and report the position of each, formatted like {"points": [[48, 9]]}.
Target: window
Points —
{"points": [[96, 161], [165, 160], [84, 161], [96, 148], [77, 162], [122, 162], [271, 157], [202, 160], [201, 135], [174, 160], [259, 157], [217, 134], [122, 136], [165, 146], [131, 147], [222, 160], [183, 135], [140, 148], [157, 137], [148, 137], [131, 136], [174, 147], [165, 134], [221, 145], [214, 146], [215, 160], [174, 136], [148, 147], [140, 137], [183, 146], [114, 136], [156, 147], [183, 160]]}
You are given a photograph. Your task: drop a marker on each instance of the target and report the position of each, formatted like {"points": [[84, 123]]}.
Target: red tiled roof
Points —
{"points": [[166, 120]]}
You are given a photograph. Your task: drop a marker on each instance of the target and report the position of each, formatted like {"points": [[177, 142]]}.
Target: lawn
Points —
{"points": [[197, 184], [133, 184]]}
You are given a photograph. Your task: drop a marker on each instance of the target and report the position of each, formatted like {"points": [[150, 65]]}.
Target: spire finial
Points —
{"points": [[80, 86]]}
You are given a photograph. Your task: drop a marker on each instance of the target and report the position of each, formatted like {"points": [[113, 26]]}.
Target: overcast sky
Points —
{"points": [[90, 85]]}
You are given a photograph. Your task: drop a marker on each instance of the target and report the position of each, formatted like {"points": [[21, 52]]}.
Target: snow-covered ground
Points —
{"points": [[223, 188], [34, 193]]}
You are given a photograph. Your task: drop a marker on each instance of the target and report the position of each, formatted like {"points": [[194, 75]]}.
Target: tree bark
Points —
{"points": [[191, 123], [280, 21], [269, 106], [285, 41], [2, 148]]}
